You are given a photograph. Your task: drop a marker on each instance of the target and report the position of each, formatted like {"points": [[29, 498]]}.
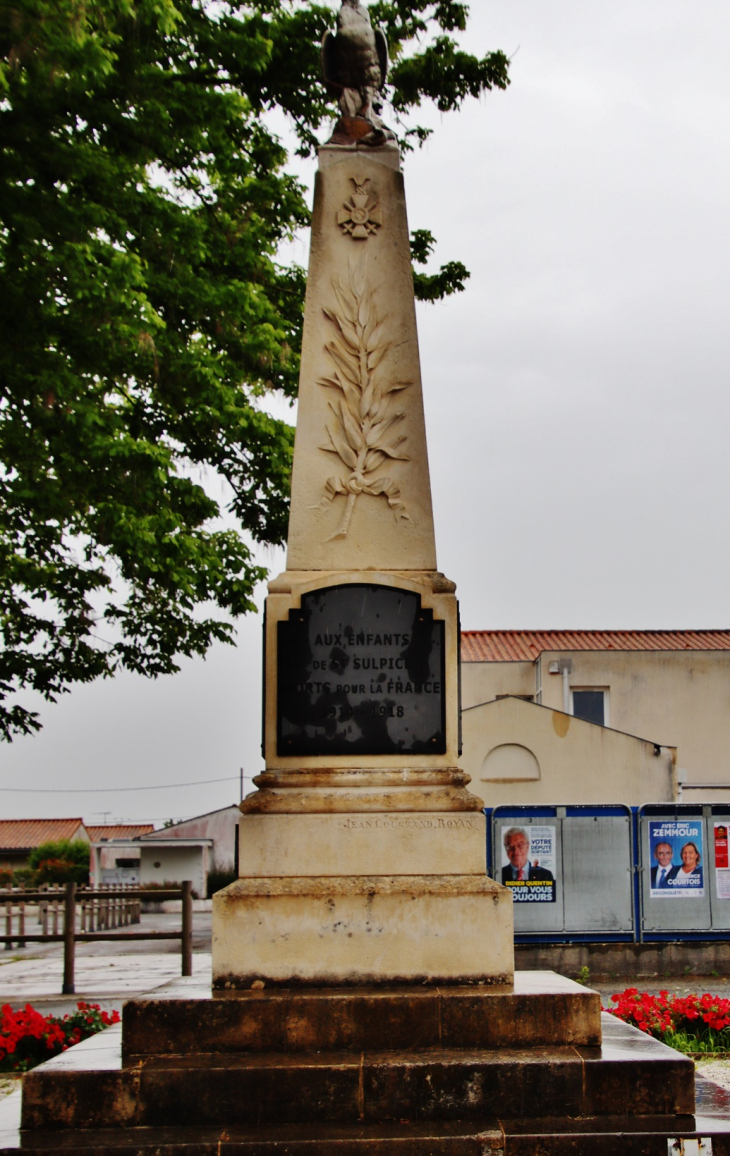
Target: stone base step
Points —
{"points": [[614, 1136], [344, 1087], [607, 1136], [540, 1009], [544, 1100], [446, 1138]]}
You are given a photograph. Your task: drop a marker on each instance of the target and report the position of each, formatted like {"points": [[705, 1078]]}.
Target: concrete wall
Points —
{"points": [[220, 826], [107, 863], [173, 864], [518, 752], [675, 698]]}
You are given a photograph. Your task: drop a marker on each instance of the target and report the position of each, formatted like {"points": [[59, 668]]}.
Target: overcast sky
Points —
{"points": [[577, 394]]}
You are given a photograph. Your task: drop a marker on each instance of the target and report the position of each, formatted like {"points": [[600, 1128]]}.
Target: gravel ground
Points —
{"points": [[8, 1084], [674, 984], [716, 1070]]}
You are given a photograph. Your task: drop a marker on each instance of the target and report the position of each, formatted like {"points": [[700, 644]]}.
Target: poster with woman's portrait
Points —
{"points": [[677, 863], [722, 864]]}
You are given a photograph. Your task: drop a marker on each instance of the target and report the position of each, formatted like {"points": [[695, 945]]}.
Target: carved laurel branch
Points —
{"points": [[364, 423]]}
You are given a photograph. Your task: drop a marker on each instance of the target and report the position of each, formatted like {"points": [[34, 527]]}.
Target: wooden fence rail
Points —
{"points": [[99, 913]]}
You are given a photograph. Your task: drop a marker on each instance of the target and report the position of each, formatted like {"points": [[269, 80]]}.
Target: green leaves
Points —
{"points": [[144, 313], [434, 286], [445, 75]]}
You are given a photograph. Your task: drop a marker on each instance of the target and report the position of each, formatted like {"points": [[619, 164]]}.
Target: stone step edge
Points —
{"points": [[452, 1138], [347, 1091], [303, 1021], [460, 1138]]}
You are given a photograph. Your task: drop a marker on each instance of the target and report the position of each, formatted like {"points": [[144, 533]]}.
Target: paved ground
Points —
{"points": [[107, 973]]}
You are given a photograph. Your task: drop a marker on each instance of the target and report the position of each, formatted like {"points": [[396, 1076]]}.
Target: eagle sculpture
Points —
{"points": [[355, 68]]}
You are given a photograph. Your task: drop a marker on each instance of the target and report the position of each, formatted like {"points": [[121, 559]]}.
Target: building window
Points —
{"points": [[591, 705], [128, 863]]}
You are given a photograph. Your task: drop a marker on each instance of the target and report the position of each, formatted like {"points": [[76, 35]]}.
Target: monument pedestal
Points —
{"points": [[362, 854], [514, 1070]]}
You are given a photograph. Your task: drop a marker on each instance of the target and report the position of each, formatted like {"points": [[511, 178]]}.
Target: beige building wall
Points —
{"points": [[674, 698], [520, 753], [484, 681]]}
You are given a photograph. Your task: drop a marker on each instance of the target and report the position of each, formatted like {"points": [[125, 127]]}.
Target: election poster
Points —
{"points": [[677, 863], [529, 862], [722, 866]]}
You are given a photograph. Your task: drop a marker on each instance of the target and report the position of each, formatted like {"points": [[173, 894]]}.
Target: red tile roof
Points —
{"points": [[23, 834], [526, 645], [119, 831]]}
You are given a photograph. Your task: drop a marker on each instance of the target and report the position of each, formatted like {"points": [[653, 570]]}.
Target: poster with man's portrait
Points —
{"points": [[677, 868], [528, 865]]}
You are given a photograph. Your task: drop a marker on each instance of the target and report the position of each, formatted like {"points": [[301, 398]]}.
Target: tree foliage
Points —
{"points": [[144, 314], [60, 861]]}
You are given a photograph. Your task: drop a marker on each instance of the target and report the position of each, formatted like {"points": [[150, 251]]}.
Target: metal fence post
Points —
{"points": [[187, 927], [69, 939]]}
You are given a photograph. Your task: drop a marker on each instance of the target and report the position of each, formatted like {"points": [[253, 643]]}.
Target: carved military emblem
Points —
{"points": [[360, 217]]}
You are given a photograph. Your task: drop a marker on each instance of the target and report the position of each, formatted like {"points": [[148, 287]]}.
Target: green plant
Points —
{"points": [[584, 975], [62, 861], [709, 1043]]}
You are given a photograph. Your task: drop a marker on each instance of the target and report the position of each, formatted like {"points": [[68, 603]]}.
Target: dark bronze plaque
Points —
{"points": [[361, 672]]}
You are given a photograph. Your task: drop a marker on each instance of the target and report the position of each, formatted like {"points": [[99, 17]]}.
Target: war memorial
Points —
{"points": [[364, 994]]}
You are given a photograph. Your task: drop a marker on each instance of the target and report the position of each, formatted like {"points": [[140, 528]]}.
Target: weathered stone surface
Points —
{"points": [[520, 1018], [390, 843], [413, 1138], [665, 1085], [463, 1084], [539, 1010], [347, 1087], [368, 508], [427, 1101], [359, 930]]}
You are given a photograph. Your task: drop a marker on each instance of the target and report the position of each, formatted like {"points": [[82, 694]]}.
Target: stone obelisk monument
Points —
{"points": [[362, 854]]}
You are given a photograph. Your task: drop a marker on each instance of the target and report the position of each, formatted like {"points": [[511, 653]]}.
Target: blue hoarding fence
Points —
{"points": [[612, 872]]}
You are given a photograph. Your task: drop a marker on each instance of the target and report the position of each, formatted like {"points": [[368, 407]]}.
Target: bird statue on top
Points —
{"points": [[355, 69]]}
